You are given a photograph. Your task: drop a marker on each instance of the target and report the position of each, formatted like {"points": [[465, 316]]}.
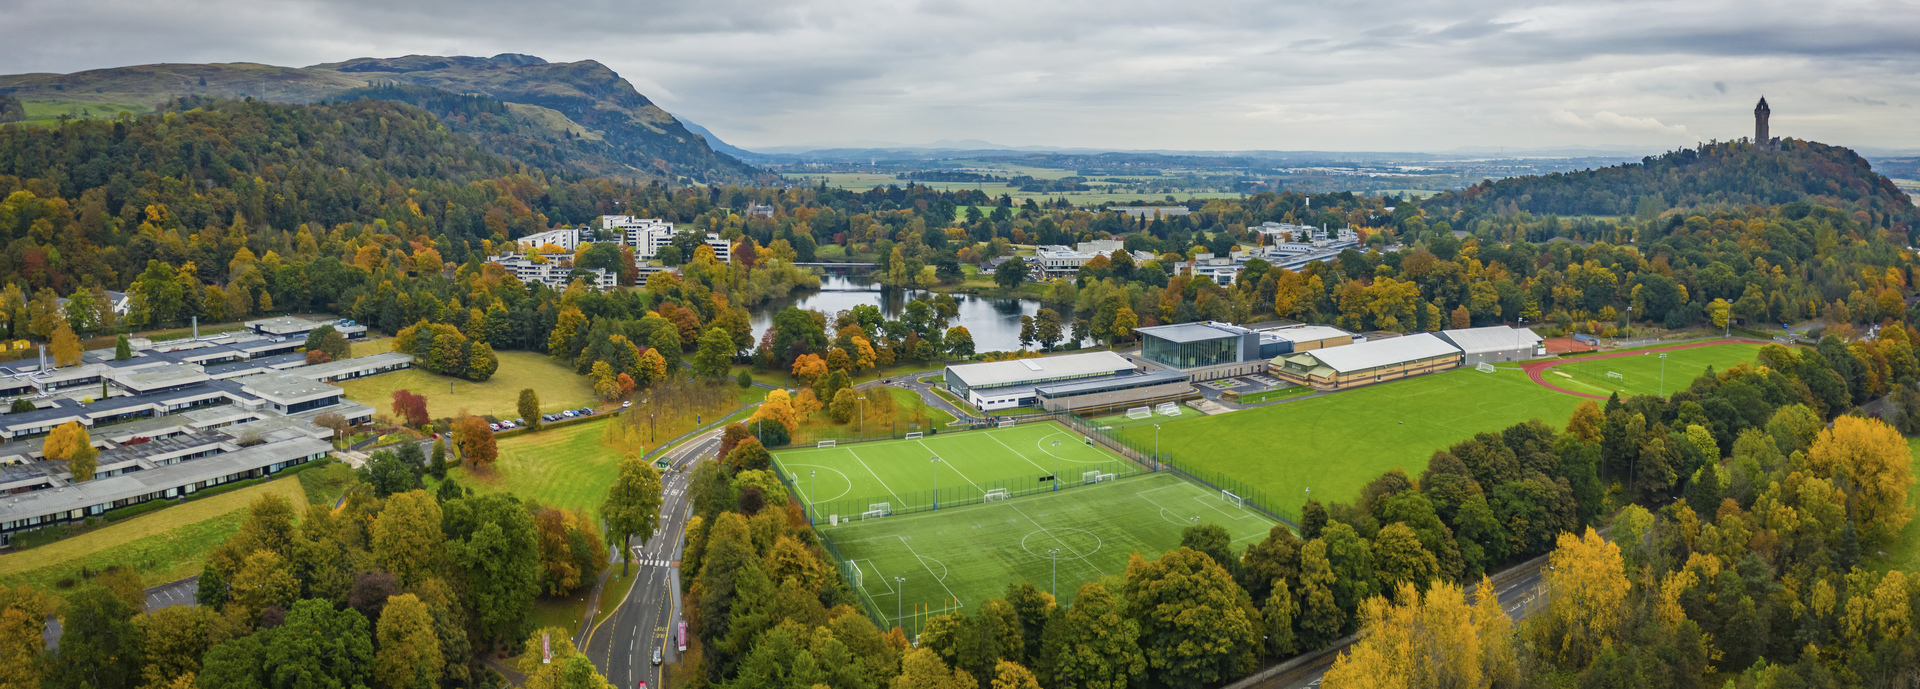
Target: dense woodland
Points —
{"points": [[1742, 511]]}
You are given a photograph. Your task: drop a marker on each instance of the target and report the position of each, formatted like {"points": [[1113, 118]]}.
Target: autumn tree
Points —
{"points": [[529, 408], [1092, 645], [65, 346], [23, 619], [407, 538], [409, 656], [809, 367], [632, 507], [715, 354], [69, 441], [922, 669], [1435, 640], [1870, 461], [1586, 592], [1586, 422], [475, 441], [411, 408], [1196, 626]]}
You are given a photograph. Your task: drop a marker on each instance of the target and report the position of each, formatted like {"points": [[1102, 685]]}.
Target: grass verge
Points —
{"points": [[556, 383]]}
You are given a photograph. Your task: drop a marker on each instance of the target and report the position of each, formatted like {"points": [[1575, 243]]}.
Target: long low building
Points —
{"points": [[1495, 344], [1366, 363], [1113, 391], [1008, 384]]}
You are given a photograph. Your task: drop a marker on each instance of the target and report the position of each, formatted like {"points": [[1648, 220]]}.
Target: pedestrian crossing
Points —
{"points": [[644, 562]]}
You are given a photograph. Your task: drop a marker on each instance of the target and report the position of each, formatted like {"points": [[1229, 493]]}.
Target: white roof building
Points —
{"points": [[1377, 353]]}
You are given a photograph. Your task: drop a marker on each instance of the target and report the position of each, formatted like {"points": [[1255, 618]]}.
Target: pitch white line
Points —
{"points": [[1017, 453], [876, 476], [1063, 544], [976, 486], [936, 578]]}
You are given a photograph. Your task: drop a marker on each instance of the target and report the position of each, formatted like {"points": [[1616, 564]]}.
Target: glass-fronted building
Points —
{"points": [[1196, 345]]}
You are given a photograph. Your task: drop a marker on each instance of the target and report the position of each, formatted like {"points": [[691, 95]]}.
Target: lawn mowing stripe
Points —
{"points": [[876, 477]]}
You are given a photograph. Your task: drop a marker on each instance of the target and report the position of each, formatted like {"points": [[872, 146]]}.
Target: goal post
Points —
{"points": [[826, 444], [872, 514], [1167, 409], [884, 508], [1008, 423], [1237, 501], [1484, 367], [859, 578], [996, 494], [1090, 477], [1138, 413], [1103, 478], [916, 435], [1615, 375]]}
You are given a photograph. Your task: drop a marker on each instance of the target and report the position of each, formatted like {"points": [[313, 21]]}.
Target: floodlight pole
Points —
{"points": [[1663, 374], [862, 400], [1156, 447], [898, 619], [1056, 466], [813, 486]]}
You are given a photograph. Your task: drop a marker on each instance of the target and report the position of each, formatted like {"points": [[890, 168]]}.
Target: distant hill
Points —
{"points": [[714, 141], [1727, 175], [573, 116]]}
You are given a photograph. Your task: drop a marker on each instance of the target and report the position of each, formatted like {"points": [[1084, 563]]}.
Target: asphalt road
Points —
{"points": [[622, 645], [1521, 596]]}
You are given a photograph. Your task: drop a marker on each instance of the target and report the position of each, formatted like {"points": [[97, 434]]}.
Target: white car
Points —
{"points": [[568, 414], [628, 403], [493, 426]]}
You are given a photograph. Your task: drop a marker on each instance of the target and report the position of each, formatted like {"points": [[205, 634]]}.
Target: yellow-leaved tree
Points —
{"points": [[1586, 593], [1867, 459], [69, 441], [1435, 640]]}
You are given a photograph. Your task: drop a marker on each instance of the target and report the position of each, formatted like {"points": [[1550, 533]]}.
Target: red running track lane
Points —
{"points": [[1536, 370]]}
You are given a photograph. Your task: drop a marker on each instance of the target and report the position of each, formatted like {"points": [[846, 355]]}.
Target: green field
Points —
{"points": [[848, 480], [1335, 444], [566, 467], [1640, 374], [966, 555], [1904, 552], [163, 546], [47, 113], [559, 388]]}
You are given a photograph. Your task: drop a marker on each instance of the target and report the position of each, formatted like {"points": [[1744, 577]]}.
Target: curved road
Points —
{"points": [[622, 645]]}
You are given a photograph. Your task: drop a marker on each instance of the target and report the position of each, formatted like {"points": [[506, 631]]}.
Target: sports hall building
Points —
{"points": [[1056, 383], [1366, 363]]}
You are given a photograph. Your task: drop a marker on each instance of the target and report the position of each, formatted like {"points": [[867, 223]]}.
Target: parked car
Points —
{"points": [[628, 403], [586, 411], [568, 414], [656, 656], [493, 426]]}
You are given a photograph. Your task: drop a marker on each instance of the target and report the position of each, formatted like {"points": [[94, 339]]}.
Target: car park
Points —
{"points": [[567, 414]]}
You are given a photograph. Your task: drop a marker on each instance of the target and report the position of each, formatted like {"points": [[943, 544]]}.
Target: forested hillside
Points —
{"points": [[1728, 176], [549, 103]]}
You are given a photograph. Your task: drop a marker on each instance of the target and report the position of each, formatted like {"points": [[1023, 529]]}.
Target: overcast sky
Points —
{"points": [[1355, 75]]}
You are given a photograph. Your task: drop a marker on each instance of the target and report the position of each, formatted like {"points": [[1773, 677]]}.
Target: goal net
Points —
{"points": [[859, 578], [996, 494], [1090, 477], [1138, 413], [1484, 368], [1103, 478], [1615, 375], [884, 508], [915, 435], [1237, 501], [1007, 423], [873, 514], [824, 444], [1167, 409]]}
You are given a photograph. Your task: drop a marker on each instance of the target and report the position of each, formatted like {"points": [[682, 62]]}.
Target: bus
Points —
{"points": [[683, 636]]}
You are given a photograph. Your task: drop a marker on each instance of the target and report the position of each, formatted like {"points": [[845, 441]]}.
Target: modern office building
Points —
{"points": [[1119, 390], [1207, 350], [553, 273], [295, 327]]}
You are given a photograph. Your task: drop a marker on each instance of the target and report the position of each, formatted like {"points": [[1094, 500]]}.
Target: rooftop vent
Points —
{"points": [[1031, 364]]}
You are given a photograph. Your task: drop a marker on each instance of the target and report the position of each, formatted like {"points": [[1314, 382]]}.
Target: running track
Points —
{"points": [[1536, 370]]}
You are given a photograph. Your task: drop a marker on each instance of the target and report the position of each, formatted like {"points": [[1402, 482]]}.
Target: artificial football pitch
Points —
{"points": [[911, 566], [900, 476], [1640, 373]]}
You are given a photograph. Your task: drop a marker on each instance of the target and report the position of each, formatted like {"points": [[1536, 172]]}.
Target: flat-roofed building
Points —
{"points": [[357, 367], [289, 393], [299, 328], [1495, 344], [1008, 384], [1366, 363], [1204, 351], [1122, 390]]}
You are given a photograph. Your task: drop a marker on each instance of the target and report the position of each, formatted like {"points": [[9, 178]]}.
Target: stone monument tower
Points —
{"points": [[1760, 134]]}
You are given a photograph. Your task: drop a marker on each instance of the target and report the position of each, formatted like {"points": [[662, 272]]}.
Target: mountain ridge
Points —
{"points": [[641, 140]]}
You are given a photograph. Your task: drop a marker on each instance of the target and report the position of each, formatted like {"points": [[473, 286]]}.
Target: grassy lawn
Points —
{"points": [[1278, 394], [558, 386], [1904, 552], [162, 546], [378, 345], [566, 467], [1335, 444], [1642, 374], [324, 485], [960, 557], [47, 113]]}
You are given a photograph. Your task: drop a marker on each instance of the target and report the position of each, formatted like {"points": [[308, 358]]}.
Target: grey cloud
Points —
{"points": [[1227, 74]]}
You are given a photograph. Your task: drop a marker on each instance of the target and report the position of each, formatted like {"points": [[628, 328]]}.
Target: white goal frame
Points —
{"points": [[1006, 424], [884, 508], [873, 514], [1089, 478], [1484, 368], [1168, 409], [916, 435], [1103, 478], [859, 578], [1228, 496], [1616, 375], [1138, 413], [824, 444], [995, 494]]}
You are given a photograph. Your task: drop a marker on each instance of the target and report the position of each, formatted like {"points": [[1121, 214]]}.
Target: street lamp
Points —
{"points": [[1156, 447], [862, 399], [813, 489], [936, 481]]}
